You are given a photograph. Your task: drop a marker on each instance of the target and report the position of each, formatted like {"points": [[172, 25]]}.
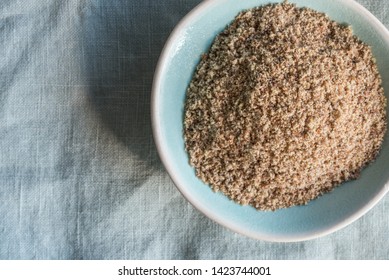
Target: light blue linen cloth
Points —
{"points": [[80, 177]]}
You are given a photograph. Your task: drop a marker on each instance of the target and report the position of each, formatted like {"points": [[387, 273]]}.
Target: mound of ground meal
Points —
{"points": [[286, 105]]}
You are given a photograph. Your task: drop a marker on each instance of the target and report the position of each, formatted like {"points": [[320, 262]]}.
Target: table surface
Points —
{"points": [[80, 177]]}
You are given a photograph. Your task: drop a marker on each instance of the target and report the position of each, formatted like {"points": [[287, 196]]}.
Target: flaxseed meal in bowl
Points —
{"points": [[271, 117]]}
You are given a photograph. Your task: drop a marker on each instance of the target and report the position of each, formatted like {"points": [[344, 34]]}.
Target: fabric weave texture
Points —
{"points": [[80, 177]]}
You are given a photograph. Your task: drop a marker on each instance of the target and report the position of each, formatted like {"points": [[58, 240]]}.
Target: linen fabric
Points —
{"points": [[80, 177]]}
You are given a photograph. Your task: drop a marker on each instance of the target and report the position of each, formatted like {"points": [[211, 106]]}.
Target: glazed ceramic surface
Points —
{"points": [[330, 212]]}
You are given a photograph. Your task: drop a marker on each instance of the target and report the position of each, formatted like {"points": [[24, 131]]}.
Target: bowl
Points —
{"points": [[179, 58]]}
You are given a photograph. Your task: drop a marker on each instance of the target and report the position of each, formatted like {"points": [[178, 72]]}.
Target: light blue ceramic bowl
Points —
{"points": [[192, 37]]}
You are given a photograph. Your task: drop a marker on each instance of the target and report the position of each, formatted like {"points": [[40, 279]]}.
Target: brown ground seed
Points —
{"points": [[285, 106]]}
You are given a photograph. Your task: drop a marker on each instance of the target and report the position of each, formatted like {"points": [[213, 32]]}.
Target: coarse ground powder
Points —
{"points": [[285, 106]]}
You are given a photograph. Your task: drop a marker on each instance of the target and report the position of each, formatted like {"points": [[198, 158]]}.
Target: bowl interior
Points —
{"points": [[189, 40]]}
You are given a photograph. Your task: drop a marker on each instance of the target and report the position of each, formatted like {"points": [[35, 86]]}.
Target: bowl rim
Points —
{"points": [[156, 133]]}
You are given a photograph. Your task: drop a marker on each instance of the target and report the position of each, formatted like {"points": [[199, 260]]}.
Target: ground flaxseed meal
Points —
{"points": [[285, 106]]}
